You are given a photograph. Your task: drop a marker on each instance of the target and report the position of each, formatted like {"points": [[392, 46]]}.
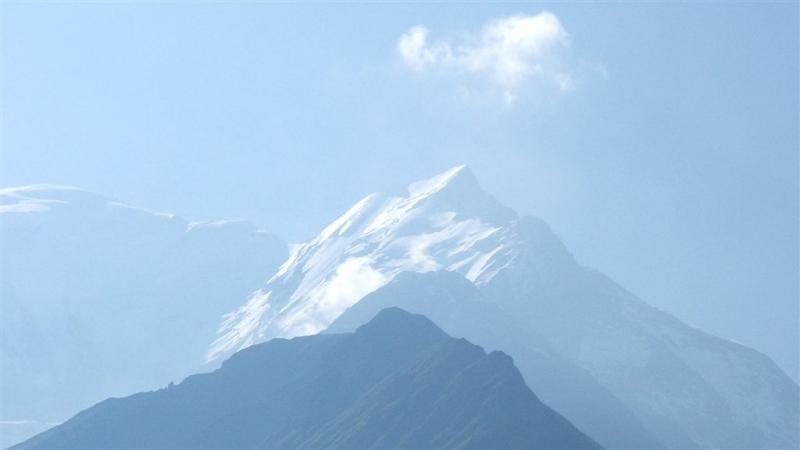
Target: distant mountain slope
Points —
{"points": [[689, 389], [397, 382], [100, 298]]}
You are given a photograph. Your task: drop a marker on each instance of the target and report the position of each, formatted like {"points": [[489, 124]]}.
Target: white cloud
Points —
{"points": [[507, 52]]}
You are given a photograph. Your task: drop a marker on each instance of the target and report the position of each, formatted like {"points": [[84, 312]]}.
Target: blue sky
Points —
{"points": [[660, 141]]}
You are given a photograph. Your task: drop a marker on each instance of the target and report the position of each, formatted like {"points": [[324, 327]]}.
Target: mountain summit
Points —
{"points": [[667, 383], [445, 222]]}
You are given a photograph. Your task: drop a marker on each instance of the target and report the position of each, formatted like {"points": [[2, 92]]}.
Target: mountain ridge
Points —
{"points": [[397, 382], [460, 309]]}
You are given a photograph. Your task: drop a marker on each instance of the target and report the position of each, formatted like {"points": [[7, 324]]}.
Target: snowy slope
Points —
{"points": [[100, 298], [689, 389], [446, 222]]}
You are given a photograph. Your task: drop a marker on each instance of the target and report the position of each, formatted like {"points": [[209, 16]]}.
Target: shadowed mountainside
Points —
{"points": [[397, 382]]}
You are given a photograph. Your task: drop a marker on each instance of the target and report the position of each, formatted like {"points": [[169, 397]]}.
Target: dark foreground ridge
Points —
{"points": [[397, 382]]}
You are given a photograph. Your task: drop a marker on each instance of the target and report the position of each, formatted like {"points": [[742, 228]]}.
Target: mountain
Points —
{"points": [[446, 222], [397, 382], [460, 309], [100, 298], [687, 388]]}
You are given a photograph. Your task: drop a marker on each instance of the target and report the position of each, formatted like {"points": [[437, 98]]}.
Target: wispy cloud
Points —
{"points": [[507, 52]]}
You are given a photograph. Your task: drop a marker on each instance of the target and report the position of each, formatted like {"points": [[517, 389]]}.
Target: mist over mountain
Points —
{"points": [[397, 382], [601, 248], [687, 389], [100, 298]]}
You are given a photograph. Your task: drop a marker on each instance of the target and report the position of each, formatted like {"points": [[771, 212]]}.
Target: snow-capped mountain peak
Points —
{"points": [[446, 222], [440, 181]]}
